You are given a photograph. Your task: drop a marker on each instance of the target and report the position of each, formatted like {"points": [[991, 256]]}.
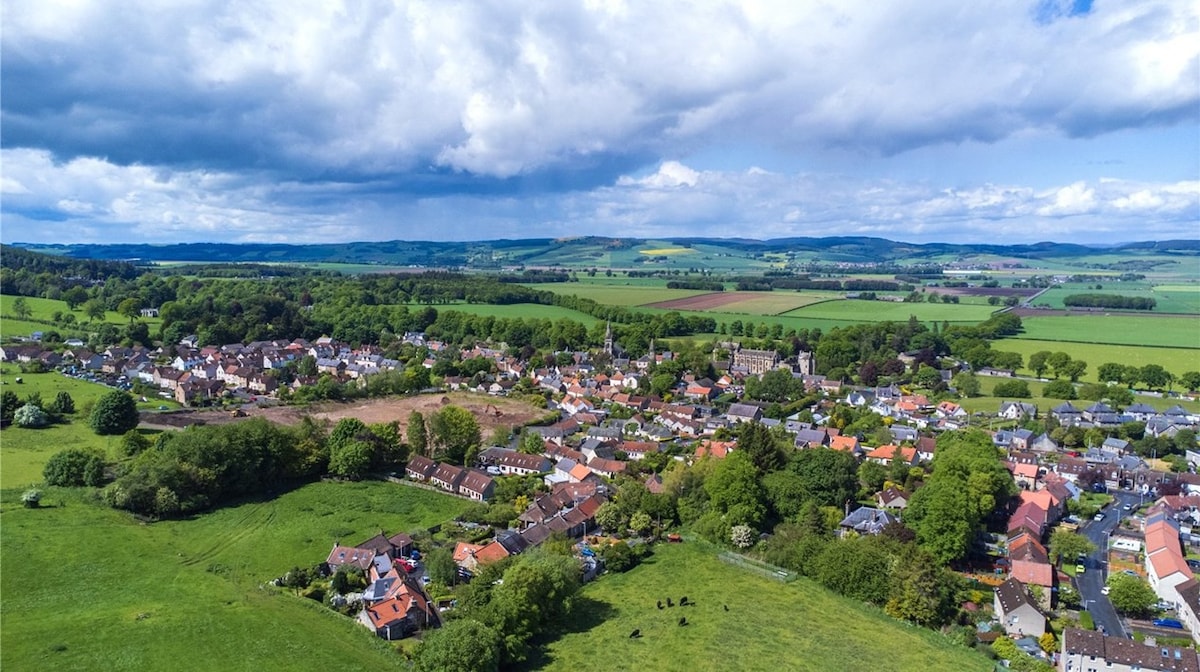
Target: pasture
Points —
{"points": [[23, 452], [125, 595], [42, 310], [884, 311], [750, 303], [619, 295], [1168, 298], [770, 625], [1122, 329], [1175, 360]]}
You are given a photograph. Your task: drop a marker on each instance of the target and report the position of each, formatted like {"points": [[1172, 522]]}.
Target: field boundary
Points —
{"points": [[758, 567]]}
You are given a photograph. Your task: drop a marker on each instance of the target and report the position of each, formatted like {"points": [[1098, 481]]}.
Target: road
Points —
{"points": [[1094, 578]]}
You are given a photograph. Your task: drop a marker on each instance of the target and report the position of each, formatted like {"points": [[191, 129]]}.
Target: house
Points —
{"points": [[476, 485], [1088, 651], [865, 520], [1016, 611], [1028, 516], [1165, 565], [892, 498], [349, 555], [420, 468], [405, 612], [844, 443], [447, 477], [396, 546], [511, 462], [1014, 410], [887, 453], [744, 413]]}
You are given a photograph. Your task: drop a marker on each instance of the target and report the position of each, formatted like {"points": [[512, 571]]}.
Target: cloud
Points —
{"points": [[91, 200], [364, 90]]}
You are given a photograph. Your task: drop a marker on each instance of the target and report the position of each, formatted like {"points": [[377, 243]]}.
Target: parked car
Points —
{"points": [[1080, 569], [1168, 623], [1105, 590], [1099, 516]]}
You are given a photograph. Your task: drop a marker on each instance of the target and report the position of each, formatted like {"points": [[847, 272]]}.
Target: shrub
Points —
{"points": [[31, 417], [114, 413], [74, 467], [1059, 389], [1012, 389]]}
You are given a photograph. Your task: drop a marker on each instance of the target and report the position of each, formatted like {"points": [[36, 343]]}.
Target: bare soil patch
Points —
{"points": [[490, 412]]}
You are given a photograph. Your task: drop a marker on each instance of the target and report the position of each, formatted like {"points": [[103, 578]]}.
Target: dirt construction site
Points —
{"points": [[491, 412]]}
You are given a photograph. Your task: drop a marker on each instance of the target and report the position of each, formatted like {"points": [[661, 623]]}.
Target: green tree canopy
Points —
{"points": [[114, 413], [462, 645], [454, 430], [74, 467]]}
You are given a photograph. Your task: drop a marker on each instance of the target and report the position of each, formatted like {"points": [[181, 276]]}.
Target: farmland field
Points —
{"points": [[751, 303], [1175, 360], [188, 594], [1124, 329], [769, 625], [1168, 298], [619, 295], [882, 311]]}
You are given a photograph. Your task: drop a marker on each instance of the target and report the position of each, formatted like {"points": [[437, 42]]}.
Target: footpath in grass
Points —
{"points": [[122, 595], [769, 625]]}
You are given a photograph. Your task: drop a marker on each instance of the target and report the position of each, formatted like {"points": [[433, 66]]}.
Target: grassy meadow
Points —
{"points": [[1175, 360], [42, 311], [618, 295], [1124, 329], [187, 594], [23, 452], [883, 311], [770, 625]]}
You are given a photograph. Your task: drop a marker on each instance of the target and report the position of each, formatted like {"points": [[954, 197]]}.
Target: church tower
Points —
{"points": [[608, 339]]}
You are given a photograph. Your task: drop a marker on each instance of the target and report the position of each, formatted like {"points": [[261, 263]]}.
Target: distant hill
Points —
{"points": [[589, 251]]}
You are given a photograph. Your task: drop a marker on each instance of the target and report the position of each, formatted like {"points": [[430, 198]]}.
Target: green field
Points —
{"points": [[1168, 298], [122, 595], [991, 404], [618, 295], [1121, 329], [42, 314], [883, 311], [769, 626], [23, 452], [1175, 360]]}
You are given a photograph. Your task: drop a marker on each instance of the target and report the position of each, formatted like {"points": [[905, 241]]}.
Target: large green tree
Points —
{"points": [[1066, 545], [454, 430], [416, 433], [1130, 594], [733, 490], [463, 645], [114, 413]]}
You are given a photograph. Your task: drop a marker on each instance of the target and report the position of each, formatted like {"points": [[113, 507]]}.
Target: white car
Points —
{"points": [[1105, 590]]}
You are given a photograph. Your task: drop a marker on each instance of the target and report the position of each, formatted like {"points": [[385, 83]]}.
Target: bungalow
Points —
{"points": [[420, 468], [846, 444], [512, 462], [349, 555], [476, 485], [1016, 610], [447, 477], [887, 453], [718, 449], [744, 413], [865, 520], [401, 615]]}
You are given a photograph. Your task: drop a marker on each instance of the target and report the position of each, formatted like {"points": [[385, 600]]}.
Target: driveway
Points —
{"points": [[1095, 577]]}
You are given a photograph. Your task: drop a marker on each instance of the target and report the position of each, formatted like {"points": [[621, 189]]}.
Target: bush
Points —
{"points": [[31, 417], [74, 467], [1012, 389], [621, 557], [1059, 389]]}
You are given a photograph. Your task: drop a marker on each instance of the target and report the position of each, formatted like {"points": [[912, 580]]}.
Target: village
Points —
{"points": [[608, 423]]}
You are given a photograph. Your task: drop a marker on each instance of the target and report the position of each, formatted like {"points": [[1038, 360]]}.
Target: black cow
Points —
{"points": [[683, 601], [726, 606], [659, 604], [635, 634], [683, 620], [670, 603]]}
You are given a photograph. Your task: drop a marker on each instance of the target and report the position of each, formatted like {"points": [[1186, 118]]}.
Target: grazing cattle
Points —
{"points": [[635, 634], [670, 603], [726, 606], [683, 620], [683, 601], [660, 604]]}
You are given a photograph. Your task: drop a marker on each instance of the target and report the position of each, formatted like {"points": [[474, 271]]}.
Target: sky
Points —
{"points": [[305, 121]]}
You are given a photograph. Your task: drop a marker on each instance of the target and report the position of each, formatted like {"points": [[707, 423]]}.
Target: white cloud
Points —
{"points": [[497, 89]]}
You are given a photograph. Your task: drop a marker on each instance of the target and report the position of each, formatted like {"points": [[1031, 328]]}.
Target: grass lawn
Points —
{"points": [[618, 294], [1167, 298], [882, 311], [1175, 360], [187, 594], [1180, 332], [770, 625]]}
